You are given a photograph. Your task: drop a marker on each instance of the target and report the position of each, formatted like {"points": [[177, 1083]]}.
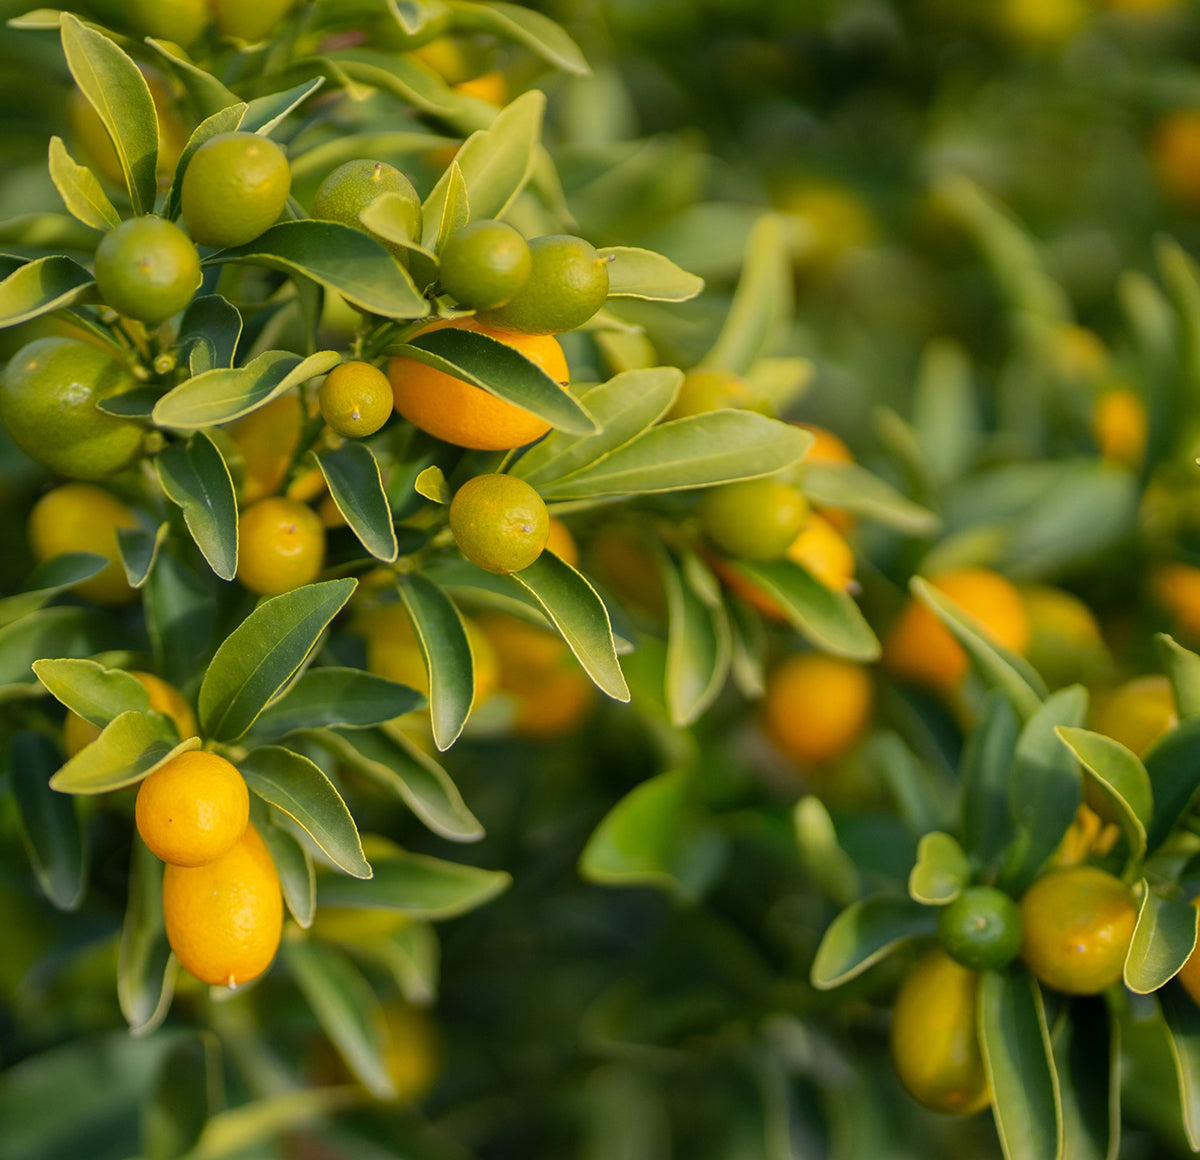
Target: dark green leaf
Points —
{"points": [[864, 933], [335, 696], [1087, 1057], [80, 189], [941, 870], [1163, 939], [1183, 1037], [1173, 764], [296, 875], [139, 550], [352, 473], [49, 821], [61, 631], [37, 287], [821, 855], [96, 693], [130, 747], [211, 327], [988, 755], [47, 580], [146, 968], [1122, 779], [194, 476]]}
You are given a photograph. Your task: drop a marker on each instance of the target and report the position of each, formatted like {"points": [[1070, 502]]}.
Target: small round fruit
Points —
{"points": [[816, 707], [499, 523], [79, 732], [181, 21], [1137, 713], [465, 415], [281, 546], [78, 517], [193, 809], [1077, 925], [224, 919], [356, 399], [350, 188], [568, 283], [1120, 426], [704, 391], [756, 519], [234, 188], [484, 265], [251, 22], [147, 268], [935, 1037], [1175, 157], [981, 928], [48, 398], [823, 551], [1065, 642]]}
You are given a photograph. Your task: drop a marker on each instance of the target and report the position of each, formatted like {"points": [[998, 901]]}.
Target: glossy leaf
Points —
{"points": [[1163, 939], [263, 654], [35, 288], [297, 878], [1173, 765], [864, 933], [538, 33], [941, 870], [1182, 1018], [1087, 1058], [49, 821], [637, 273], [139, 550], [96, 693], [331, 696], [211, 326], [990, 750], [61, 631], [1122, 779], [1183, 668], [352, 473], [854, 489], [80, 189], [576, 610], [181, 615], [698, 645], [195, 477], [130, 747], [47, 580], [146, 969]]}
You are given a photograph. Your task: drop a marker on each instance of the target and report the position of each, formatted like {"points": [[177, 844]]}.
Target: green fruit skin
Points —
{"points": [[48, 399], [981, 928], [568, 283], [755, 519], [502, 534], [147, 268], [233, 219], [485, 265], [179, 20], [351, 187], [250, 20]]}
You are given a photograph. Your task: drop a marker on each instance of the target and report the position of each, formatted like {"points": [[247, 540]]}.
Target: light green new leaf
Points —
{"points": [[1122, 779], [1183, 668], [264, 653], [115, 88], [576, 610], [196, 478], [854, 489], [352, 473], [1163, 939], [391, 217], [225, 394], [541, 35], [301, 790], [96, 693], [80, 189], [940, 872], [47, 580], [297, 878], [324, 697], [637, 273], [456, 206], [1020, 1065], [416, 885], [146, 969], [139, 550], [1173, 764], [264, 113], [49, 821], [864, 933], [431, 483], [698, 451], [35, 288], [130, 747]]}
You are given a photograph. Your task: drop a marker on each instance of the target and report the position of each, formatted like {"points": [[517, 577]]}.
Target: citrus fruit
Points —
{"points": [[935, 1037], [147, 268], [1136, 713], [491, 87], [755, 519], [1077, 925], [831, 219], [703, 391], [79, 517], [1065, 643], [1042, 24], [815, 707], [1078, 353], [981, 928], [1189, 973], [267, 439], [356, 399], [193, 809], [350, 188], [179, 20], [823, 551], [921, 649], [826, 446], [48, 398], [484, 264], [562, 543], [468, 416], [499, 523], [1119, 426], [224, 918], [251, 22], [1176, 587], [568, 283], [281, 546], [1175, 156], [413, 1055], [450, 57], [78, 732], [234, 188]]}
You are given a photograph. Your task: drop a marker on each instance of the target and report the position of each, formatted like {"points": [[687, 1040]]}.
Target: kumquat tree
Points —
{"points": [[600, 580]]}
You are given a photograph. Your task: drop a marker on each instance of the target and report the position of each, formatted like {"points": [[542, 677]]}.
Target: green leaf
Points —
{"points": [[358, 70], [431, 483], [300, 789], [185, 1094], [747, 664], [698, 451], [80, 189], [828, 618], [263, 654], [222, 120], [1122, 779], [195, 477], [576, 610], [47, 580], [1173, 765], [146, 969], [988, 756], [657, 835], [390, 217], [821, 855], [940, 872], [323, 697], [224, 394], [130, 747], [49, 821], [62, 631], [37, 287], [1163, 939], [116, 89], [424, 786], [1183, 668], [447, 652], [346, 1008], [623, 408], [762, 303], [207, 94], [456, 206], [96, 693], [1020, 1065], [497, 368], [340, 258], [699, 643], [139, 550], [263, 114], [411, 955], [1045, 787], [637, 273], [496, 163], [541, 35], [1001, 668], [416, 885], [1182, 1018], [211, 326], [864, 933], [181, 613], [945, 412], [296, 875], [352, 473], [1087, 1057], [854, 489]]}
